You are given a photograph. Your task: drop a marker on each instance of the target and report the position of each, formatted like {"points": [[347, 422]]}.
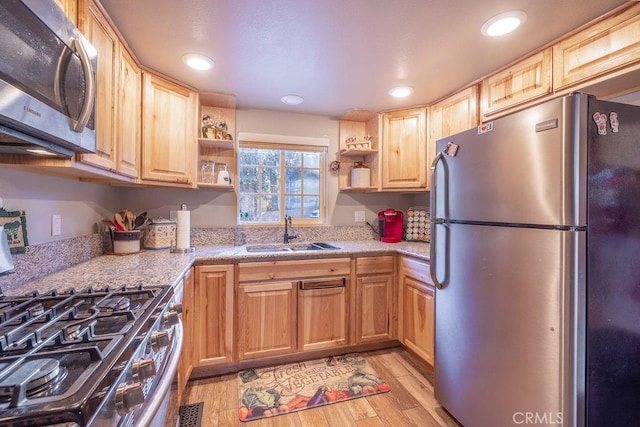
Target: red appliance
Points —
{"points": [[390, 225]]}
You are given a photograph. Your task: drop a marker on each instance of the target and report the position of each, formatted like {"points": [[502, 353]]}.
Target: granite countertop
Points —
{"points": [[164, 268]]}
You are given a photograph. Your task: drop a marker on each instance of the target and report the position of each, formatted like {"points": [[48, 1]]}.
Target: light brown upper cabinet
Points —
{"points": [[454, 114], [599, 49], [169, 138], [129, 119], [520, 82], [404, 150], [70, 8], [95, 26]]}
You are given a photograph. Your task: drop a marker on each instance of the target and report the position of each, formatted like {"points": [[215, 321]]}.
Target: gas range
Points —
{"points": [[95, 357]]}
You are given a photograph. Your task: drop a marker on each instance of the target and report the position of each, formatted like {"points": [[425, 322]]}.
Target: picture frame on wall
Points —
{"points": [[15, 227]]}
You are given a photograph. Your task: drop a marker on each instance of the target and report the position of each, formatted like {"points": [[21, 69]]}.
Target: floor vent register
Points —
{"points": [[191, 415]]}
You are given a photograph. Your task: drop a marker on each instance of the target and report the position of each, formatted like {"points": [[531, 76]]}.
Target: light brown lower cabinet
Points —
{"points": [[267, 319], [323, 313], [374, 286], [212, 314], [416, 308]]}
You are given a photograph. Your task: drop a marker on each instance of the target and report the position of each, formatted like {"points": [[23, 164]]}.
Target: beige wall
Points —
{"points": [[82, 205]]}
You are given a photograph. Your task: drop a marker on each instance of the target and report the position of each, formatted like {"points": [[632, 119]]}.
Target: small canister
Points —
{"points": [[360, 175], [126, 242], [159, 234]]}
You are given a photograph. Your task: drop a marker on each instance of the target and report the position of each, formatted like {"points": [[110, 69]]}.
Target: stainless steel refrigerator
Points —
{"points": [[536, 256]]}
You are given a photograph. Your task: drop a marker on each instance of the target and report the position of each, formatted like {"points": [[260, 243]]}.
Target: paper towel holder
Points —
{"points": [[174, 248]]}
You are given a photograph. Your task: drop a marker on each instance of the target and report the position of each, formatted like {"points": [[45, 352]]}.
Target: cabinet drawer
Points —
{"points": [[375, 264], [278, 270], [417, 269]]}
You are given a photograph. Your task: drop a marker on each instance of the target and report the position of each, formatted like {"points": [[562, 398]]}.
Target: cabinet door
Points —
{"points": [[601, 48], [267, 320], [454, 114], [404, 150], [417, 308], [169, 132], [70, 8], [213, 315], [186, 358], [373, 308], [98, 31], [129, 115], [322, 314], [525, 81]]}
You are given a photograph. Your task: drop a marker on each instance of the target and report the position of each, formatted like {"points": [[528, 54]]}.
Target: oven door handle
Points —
{"points": [[146, 417]]}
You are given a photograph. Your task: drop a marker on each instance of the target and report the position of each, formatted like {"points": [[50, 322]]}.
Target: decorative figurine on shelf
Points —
{"points": [[208, 130]]}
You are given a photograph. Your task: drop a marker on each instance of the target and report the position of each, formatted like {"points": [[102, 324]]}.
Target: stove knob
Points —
{"points": [[171, 318], [144, 369], [128, 396], [177, 307], [160, 340]]}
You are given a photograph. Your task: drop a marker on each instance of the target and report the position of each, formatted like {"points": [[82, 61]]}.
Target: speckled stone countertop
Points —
{"points": [[164, 268]]}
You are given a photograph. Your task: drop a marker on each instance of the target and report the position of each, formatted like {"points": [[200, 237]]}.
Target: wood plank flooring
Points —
{"points": [[409, 403]]}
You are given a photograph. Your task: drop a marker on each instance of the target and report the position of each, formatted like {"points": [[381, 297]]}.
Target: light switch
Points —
{"points": [[56, 224]]}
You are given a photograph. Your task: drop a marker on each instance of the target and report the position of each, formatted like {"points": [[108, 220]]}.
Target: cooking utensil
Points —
{"points": [[140, 220], [119, 221], [128, 219]]}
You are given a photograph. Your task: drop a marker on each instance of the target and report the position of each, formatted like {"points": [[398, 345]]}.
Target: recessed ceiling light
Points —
{"points": [[197, 62], [292, 99], [503, 23], [401, 91]]}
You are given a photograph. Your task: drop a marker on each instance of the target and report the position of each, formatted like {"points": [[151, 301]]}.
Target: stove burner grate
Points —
{"points": [[31, 378]]}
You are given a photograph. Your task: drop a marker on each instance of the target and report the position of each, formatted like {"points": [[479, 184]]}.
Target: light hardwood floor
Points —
{"points": [[409, 403]]}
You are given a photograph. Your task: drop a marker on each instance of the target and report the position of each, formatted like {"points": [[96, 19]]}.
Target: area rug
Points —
{"points": [[282, 389]]}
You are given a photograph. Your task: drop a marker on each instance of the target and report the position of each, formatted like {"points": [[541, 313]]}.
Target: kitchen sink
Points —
{"points": [[297, 247]]}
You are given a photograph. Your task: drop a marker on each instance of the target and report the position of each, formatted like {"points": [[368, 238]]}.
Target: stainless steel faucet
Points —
{"points": [[287, 224]]}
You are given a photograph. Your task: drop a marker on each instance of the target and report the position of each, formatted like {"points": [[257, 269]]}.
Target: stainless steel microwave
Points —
{"points": [[47, 81]]}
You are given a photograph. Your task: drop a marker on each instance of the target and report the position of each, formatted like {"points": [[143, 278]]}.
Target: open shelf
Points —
{"points": [[217, 143], [357, 152]]}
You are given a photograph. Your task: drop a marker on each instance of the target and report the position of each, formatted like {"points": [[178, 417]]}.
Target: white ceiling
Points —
{"points": [[337, 54]]}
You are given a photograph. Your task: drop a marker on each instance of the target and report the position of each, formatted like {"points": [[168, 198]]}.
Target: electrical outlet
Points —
{"points": [[173, 216], [360, 216], [56, 224]]}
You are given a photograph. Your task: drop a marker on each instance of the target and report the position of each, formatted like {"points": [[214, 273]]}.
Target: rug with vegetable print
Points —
{"points": [[268, 392]]}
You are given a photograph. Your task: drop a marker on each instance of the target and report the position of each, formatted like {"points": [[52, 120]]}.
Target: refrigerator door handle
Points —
{"points": [[435, 221]]}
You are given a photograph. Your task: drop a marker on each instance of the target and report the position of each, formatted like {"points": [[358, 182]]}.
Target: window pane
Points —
{"points": [[311, 206], [293, 206], [292, 181], [292, 158], [249, 179], [311, 182], [248, 156], [311, 160], [269, 209], [270, 180], [248, 207], [270, 157]]}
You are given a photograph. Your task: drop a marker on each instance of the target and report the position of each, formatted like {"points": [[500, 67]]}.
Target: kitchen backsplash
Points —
{"points": [[50, 257]]}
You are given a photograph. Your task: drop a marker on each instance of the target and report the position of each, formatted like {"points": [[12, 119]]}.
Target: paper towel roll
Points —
{"points": [[183, 229]]}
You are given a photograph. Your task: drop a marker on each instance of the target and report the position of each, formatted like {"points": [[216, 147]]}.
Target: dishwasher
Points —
{"points": [[323, 313]]}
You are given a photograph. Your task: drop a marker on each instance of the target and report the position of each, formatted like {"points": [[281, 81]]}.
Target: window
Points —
{"points": [[280, 179]]}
